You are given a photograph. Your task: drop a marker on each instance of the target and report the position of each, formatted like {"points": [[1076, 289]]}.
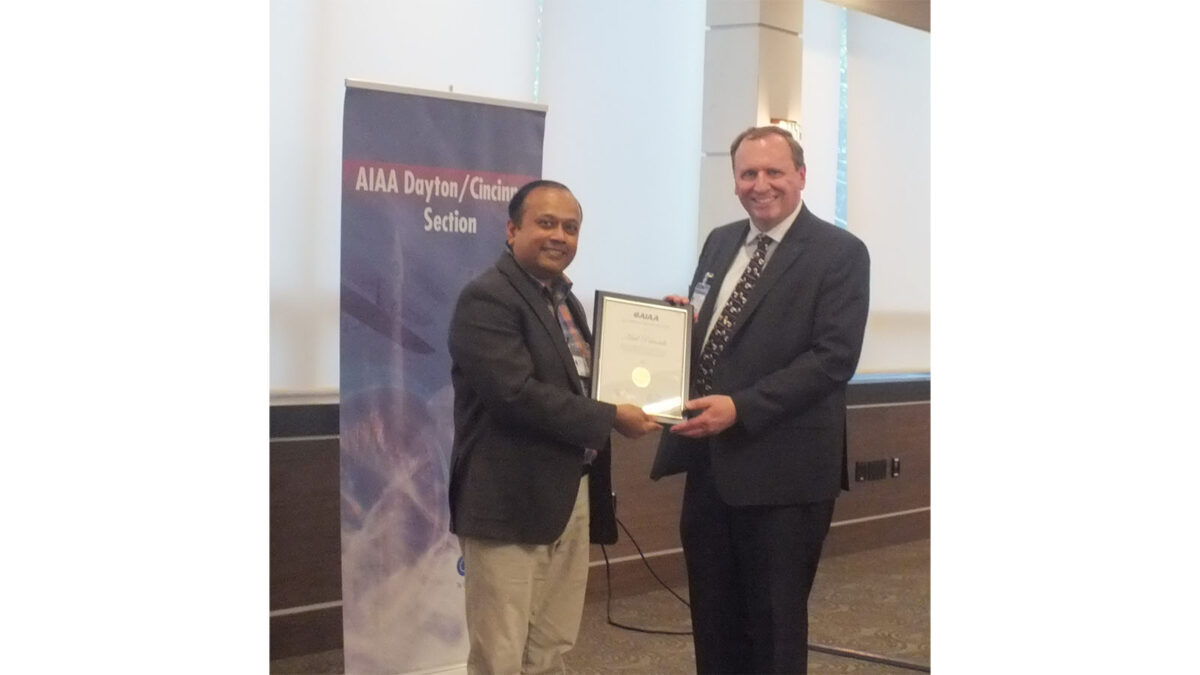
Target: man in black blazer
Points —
{"points": [[780, 326], [530, 472]]}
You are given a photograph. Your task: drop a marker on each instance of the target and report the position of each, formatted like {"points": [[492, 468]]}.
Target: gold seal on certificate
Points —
{"points": [[641, 354], [641, 377]]}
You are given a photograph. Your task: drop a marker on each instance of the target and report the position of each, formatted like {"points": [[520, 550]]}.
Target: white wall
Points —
{"points": [[887, 149], [888, 185], [478, 47], [622, 82], [820, 86]]}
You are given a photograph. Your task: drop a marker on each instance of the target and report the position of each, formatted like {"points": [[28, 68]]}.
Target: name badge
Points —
{"points": [[583, 367], [699, 293]]}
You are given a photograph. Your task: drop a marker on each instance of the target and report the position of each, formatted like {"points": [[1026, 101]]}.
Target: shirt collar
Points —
{"points": [[776, 233], [555, 289]]}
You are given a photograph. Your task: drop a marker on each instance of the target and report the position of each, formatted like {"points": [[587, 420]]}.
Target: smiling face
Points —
{"points": [[544, 242], [766, 180]]}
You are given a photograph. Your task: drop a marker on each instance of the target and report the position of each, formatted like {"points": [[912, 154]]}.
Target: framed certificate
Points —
{"points": [[641, 354]]}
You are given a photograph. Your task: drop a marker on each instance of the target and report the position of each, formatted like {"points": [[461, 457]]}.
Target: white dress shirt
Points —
{"points": [[742, 260]]}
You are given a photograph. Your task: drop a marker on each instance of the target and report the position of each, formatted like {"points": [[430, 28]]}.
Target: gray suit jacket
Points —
{"points": [[794, 346], [521, 416]]}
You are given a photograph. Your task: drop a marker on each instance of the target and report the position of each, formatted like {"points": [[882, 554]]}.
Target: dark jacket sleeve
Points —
{"points": [[490, 343], [839, 319]]}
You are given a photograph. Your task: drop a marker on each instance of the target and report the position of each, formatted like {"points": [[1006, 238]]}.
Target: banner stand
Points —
{"points": [[426, 181]]}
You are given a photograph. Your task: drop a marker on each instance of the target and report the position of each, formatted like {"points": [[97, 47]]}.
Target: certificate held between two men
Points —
{"points": [[641, 354]]}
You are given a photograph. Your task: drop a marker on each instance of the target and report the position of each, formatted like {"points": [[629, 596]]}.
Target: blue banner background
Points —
{"points": [[401, 582]]}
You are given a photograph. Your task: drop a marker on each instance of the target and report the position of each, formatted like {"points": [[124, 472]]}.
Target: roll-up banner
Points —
{"points": [[426, 180]]}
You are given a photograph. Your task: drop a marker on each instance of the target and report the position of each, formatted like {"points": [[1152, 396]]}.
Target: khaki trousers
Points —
{"points": [[525, 602]]}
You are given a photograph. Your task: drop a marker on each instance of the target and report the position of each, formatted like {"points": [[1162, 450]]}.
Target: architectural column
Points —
{"points": [[752, 62]]}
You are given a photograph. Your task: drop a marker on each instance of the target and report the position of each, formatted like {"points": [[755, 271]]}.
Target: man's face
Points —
{"points": [[766, 181], [544, 242]]}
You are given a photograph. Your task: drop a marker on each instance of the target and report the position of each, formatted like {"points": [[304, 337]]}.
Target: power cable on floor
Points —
{"points": [[608, 589], [825, 649]]}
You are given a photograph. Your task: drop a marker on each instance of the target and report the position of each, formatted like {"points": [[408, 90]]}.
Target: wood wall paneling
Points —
{"points": [[649, 509], [306, 553], [305, 531], [306, 633], [886, 432]]}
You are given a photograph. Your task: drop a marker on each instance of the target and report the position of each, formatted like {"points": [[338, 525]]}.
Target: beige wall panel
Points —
{"points": [[914, 13], [780, 59], [896, 342], [733, 12], [718, 204], [730, 85], [785, 15]]}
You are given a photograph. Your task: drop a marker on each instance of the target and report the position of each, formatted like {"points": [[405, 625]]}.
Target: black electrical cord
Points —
{"points": [[608, 589], [826, 649]]}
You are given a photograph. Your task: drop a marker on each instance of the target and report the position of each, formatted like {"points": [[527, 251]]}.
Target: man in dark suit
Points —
{"points": [[530, 473], [782, 306]]}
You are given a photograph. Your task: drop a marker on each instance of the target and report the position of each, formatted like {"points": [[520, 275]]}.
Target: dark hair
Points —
{"points": [[755, 133], [516, 206]]}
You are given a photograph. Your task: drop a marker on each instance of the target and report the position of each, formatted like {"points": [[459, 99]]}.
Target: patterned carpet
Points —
{"points": [[875, 601]]}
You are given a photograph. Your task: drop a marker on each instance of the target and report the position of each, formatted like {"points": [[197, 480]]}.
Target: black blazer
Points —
{"points": [[521, 416], [794, 346]]}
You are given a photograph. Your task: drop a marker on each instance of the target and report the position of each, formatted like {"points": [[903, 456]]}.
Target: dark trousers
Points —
{"points": [[750, 570]]}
